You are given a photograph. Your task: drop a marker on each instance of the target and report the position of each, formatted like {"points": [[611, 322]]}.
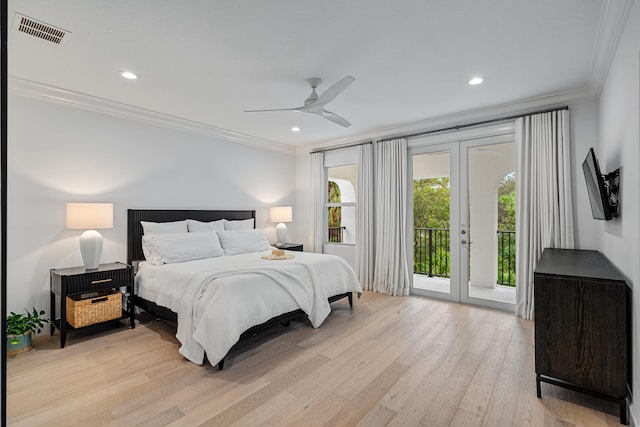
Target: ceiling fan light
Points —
{"points": [[295, 129]]}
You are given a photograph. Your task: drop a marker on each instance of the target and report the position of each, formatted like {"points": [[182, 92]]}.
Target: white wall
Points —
{"points": [[583, 125], [59, 154], [619, 147]]}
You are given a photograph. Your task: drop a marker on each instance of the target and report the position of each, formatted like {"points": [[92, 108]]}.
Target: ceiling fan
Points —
{"points": [[314, 104]]}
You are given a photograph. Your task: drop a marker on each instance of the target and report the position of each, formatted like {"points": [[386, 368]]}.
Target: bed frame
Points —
{"points": [[135, 254]]}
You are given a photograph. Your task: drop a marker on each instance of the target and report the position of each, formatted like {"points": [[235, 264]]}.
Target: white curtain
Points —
{"points": [[318, 185], [543, 197], [391, 272], [365, 242]]}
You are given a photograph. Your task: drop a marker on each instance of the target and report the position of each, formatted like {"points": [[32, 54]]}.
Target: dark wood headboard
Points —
{"points": [[134, 228]]}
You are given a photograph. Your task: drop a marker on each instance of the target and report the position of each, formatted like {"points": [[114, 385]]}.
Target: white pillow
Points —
{"points": [[198, 226], [164, 227], [180, 247], [236, 242], [241, 224]]}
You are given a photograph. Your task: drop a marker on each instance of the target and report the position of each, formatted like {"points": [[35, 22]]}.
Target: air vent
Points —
{"points": [[40, 29]]}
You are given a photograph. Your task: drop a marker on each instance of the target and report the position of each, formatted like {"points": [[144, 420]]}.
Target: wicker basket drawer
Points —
{"points": [[106, 305]]}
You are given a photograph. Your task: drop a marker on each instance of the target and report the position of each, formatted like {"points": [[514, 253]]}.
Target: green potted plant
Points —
{"points": [[20, 327]]}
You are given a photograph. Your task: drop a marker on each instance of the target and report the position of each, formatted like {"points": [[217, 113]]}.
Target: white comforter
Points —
{"points": [[217, 299]]}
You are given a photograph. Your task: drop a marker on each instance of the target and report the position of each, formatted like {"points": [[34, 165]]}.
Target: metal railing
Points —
{"points": [[431, 254], [335, 234], [431, 251], [506, 258]]}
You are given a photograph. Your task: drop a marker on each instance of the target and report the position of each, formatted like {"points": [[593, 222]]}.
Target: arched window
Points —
{"points": [[341, 204], [334, 217]]}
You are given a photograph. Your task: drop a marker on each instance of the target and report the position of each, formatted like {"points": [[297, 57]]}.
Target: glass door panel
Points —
{"points": [[487, 235], [434, 208]]}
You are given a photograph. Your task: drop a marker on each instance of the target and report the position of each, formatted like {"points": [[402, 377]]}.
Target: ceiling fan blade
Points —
{"points": [[275, 109], [335, 90], [335, 118]]}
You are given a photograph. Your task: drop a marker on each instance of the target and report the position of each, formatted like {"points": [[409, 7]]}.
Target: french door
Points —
{"points": [[463, 196]]}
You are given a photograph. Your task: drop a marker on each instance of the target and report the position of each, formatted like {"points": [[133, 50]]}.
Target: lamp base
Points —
{"points": [[281, 234], [91, 249]]}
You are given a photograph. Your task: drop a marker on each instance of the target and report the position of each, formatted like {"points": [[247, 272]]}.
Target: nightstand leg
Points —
{"points": [[132, 311], [63, 319], [52, 310]]}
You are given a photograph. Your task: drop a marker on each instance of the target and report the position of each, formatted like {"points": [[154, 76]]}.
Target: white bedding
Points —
{"points": [[219, 298]]}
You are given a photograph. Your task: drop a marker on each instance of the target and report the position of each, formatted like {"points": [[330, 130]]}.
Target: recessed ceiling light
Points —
{"points": [[129, 75], [295, 129], [476, 81]]}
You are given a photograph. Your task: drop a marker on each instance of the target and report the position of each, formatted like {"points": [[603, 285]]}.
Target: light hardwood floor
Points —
{"points": [[390, 361]]}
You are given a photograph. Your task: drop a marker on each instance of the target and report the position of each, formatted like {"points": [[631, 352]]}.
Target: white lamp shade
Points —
{"points": [[89, 216], [281, 214]]}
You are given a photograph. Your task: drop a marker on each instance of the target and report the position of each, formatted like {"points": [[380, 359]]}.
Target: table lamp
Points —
{"points": [[281, 215], [89, 217]]}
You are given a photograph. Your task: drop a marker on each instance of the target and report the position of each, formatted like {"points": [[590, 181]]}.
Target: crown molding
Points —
{"points": [[613, 19], [31, 89]]}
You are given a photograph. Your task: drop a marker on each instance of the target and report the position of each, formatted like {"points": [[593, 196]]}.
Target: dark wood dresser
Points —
{"points": [[582, 325]]}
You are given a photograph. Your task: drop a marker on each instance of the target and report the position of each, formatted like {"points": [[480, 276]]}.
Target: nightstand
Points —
{"points": [[292, 247], [78, 280]]}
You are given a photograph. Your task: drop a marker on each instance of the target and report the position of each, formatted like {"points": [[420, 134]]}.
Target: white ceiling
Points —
{"points": [[206, 61]]}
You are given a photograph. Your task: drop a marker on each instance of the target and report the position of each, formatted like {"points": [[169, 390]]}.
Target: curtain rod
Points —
{"points": [[456, 127], [485, 122]]}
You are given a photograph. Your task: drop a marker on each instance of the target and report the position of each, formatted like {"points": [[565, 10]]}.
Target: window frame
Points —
{"points": [[328, 205]]}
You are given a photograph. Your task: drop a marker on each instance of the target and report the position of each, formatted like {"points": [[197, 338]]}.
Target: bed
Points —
{"points": [[216, 300]]}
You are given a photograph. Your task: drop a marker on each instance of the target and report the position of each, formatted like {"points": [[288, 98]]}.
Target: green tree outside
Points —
{"points": [[334, 219], [431, 211], [507, 223], [431, 203], [507, 203]]}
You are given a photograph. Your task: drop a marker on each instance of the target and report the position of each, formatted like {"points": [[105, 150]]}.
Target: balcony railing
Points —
{"points": [[335, 234], [431, 254], [506, 258], [431, 251]]}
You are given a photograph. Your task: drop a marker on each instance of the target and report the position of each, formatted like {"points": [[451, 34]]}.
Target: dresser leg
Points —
{"points": [[623, 412]]}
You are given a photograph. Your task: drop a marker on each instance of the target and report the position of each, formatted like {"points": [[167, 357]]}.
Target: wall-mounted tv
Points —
{"points": [[602, 189]]}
